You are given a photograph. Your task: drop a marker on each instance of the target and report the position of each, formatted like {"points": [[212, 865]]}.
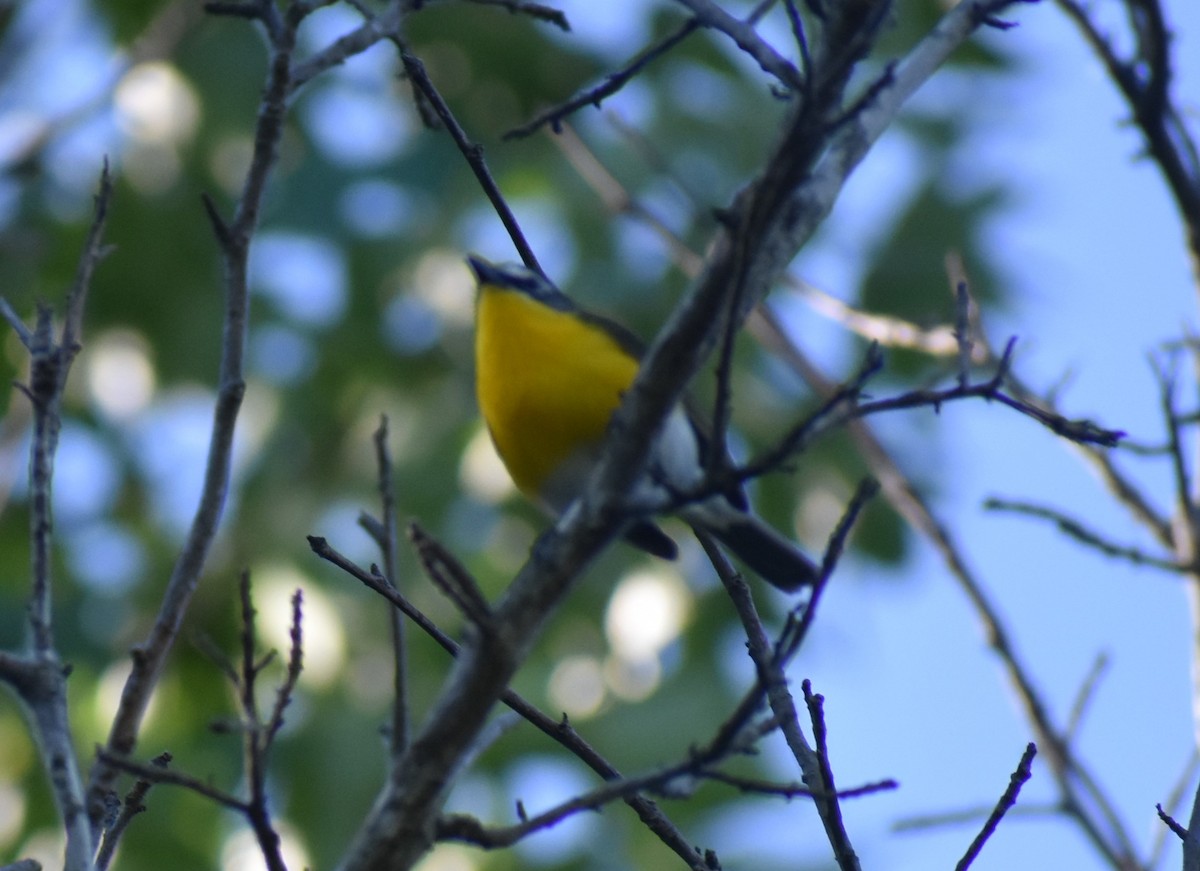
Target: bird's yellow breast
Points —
{"points": [[547, 384]]}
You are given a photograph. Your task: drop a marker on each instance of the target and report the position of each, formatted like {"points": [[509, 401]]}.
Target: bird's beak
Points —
{"points": [[485, 272]]}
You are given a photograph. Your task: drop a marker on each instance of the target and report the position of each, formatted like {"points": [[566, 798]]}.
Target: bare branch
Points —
{"points": [[473, 154], [384, 533], [885, 330], [40, 678], [1007, 800], [1078, 531], [711, 15], [1171, 823], [536, 11], [557, 730], [614, 82], [1085, 695], [769, 219], [233, 240], [374, 28], [131, 806], [94, 250], [832, 815], [843, 405], [1082, 799], [792, 790], [1144, 81], [18, 326], [1174, 801], [451, 577], [772, 684], [156, 774], [295, 665], [796, 630], [611, 83]]}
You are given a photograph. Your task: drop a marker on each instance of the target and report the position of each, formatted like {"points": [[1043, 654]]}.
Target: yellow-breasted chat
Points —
{"points": [[549, 376]]}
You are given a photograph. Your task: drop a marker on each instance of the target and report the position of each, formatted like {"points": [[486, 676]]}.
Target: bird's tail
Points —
{"points": [[768, 554]]}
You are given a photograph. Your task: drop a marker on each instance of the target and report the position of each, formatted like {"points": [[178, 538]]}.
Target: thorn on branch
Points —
{"points": [[1171, 823], [220, 227]]}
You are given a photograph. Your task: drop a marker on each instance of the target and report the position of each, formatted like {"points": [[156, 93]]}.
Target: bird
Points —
{"points": [[548, 377]]}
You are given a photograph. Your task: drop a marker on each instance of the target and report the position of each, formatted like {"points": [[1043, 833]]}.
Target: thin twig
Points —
{"points": [[386, 540], [473, 154], [1082, 798], [747, 39], [536, 11], [1081, 533], [1173, 802], [155, 774], [795, 630], [1171, 823], [18, 326], [131, 806], [770, 218], [557, 730], [842, 850], [451, 577], [1007, 800], [40, 677], [614, 82], [611, 83], [295, 665], [149, 656], [374, 29], [1085, 695], [772, 685], [1143, 81], [671, 781], [792, 790]]}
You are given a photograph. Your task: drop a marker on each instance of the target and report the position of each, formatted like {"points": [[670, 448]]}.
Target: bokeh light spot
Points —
{"points": [[481, 471], [410, 325], [357, 127], [576, 686], [106, 557], [376, 208], [120, 377], [156, 105], [647, 611], [448, 857], [303, 275], [281, 355]]}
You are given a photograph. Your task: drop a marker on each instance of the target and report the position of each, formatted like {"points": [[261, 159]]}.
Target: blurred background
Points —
{"points": [[1018, 155]]}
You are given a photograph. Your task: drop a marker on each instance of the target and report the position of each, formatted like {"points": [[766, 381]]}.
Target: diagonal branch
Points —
{"points": [[1006, 802], [767, 223], [557, 730], [234, 238]]}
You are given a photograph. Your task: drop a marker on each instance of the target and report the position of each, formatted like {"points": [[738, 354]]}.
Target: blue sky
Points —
{"points": [[1100, 279]]}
